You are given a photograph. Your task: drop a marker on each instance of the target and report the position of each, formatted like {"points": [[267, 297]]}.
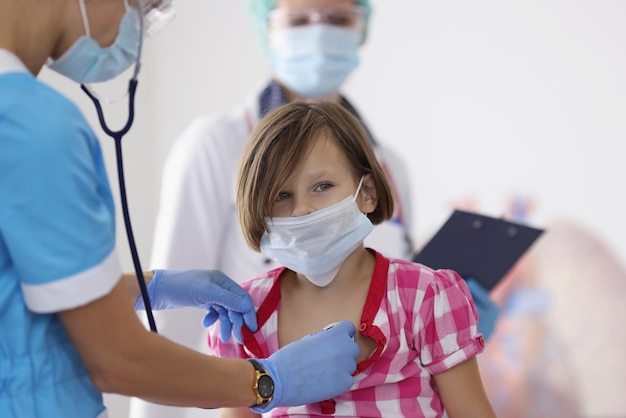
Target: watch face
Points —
{"points": [[266, 386]]}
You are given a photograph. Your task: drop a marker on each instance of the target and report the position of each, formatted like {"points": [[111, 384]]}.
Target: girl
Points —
{"points": [[309, 191]]}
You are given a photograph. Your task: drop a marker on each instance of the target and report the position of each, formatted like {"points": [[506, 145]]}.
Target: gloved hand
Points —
{"points": [[314, 368], [488, 312], [205, 289]]}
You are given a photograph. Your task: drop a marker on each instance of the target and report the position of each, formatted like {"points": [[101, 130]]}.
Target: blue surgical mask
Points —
{"points": [[87, 62], [317, 244], [313, 60]]}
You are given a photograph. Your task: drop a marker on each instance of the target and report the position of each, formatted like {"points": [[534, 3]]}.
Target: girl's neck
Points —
{"points": [[306, 308]]}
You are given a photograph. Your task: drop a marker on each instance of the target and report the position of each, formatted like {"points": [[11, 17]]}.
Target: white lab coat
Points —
{"points": [[197, 227]]}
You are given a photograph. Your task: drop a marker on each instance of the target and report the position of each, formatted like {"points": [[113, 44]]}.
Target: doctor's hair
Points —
{"points": [[278, 146]]}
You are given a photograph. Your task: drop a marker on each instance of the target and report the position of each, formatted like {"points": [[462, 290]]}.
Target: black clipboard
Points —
{"points": [[478, 246]]}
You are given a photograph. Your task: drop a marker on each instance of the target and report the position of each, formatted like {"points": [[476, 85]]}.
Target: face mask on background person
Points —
{"points": [[316, 244], [87, 62], [313, 60]]}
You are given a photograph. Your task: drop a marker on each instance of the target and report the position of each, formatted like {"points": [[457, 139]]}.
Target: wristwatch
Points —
{"points": [[263, 386]]}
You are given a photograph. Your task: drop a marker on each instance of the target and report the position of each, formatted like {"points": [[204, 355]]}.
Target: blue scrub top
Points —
{"points": [[57, 239]]}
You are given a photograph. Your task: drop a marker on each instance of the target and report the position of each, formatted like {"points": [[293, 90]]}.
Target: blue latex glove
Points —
{"points": [[488, 312], [314, 368], [205, 289]]}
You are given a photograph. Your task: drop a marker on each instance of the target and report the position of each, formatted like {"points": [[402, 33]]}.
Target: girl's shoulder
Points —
{"points": [[420, 276], [261, 285], [416, 284]]}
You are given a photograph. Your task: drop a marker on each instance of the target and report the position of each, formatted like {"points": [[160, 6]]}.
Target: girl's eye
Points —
{"points": [[282, 196], [322, 187]]}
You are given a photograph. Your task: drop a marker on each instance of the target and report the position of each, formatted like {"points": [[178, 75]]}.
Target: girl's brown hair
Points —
{"points": [[278, 145]]}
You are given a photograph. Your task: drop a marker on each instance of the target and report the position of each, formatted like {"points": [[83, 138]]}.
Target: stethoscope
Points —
{"points": [[117, 137]]}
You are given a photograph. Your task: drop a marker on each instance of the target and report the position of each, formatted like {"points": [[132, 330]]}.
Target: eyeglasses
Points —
{"points": [[344, 16], [156, 14]]}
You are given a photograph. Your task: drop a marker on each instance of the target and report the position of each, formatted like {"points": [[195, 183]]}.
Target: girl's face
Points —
{"points": [[323, 179]]}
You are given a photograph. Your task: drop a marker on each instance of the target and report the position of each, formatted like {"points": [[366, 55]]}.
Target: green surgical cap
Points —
{"points": [[259, 10]]}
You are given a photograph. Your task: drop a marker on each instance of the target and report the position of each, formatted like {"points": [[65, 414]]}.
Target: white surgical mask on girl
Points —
{"points": [[87, 62], [313, 60], [316, 244]]}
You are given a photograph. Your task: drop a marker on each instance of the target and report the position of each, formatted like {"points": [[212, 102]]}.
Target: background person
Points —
{"points": [[69, 331]]}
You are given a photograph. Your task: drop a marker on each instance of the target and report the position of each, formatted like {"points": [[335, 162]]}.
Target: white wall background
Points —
{"points": [[485, 98]]}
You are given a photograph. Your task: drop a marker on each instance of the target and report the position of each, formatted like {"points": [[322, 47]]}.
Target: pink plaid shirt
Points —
{"points": [[423, 322]]}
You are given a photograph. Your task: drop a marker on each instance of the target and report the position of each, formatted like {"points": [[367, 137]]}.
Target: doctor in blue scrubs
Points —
{"points": [[68, 330]]}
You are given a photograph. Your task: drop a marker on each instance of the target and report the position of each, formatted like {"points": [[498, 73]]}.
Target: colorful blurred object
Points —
{"points": [[557, 349]]}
